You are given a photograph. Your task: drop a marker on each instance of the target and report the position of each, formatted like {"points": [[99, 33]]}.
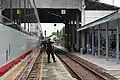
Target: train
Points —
{"points": [[14, 41]]}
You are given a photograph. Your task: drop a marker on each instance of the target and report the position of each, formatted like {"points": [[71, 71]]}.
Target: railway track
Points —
{"points": [[35, 71], [82, 71]]}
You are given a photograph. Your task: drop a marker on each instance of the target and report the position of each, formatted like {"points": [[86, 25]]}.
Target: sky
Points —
{"points": [[49, 27]]}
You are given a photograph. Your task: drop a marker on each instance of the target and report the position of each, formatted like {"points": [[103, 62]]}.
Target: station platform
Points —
{"points": [[48, 71], [55, 70], [111, 67]]}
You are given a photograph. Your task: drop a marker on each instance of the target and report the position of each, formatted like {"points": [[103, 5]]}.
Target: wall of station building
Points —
{"points": [[14, 43]]}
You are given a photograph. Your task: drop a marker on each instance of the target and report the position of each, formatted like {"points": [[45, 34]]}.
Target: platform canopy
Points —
{"points": [[52, 15], [108, 18]]}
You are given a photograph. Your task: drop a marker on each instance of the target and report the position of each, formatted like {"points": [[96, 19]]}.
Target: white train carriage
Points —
{"points": [[14, 42]]}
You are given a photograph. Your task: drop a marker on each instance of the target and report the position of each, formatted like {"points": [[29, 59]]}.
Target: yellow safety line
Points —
{"points": [[41, 69]]}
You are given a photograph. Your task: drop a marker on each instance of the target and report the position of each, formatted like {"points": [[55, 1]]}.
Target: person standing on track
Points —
{"points": [[49, 50]]}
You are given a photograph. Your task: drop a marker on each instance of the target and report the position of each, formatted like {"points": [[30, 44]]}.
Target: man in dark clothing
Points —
{"points": [[49, 50]]}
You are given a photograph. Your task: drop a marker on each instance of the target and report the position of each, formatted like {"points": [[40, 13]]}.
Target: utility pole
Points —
{"points": [[113, 2], [45, 33]]}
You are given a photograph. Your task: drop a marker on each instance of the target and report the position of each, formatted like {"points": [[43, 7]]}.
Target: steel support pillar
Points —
{"points": [[83, 23], [93, 41], [70, 34], [98, 40], [107, 42], [20, 12], [24, 14], [11, 10], [117, 41], [65, 37], [88, 44], [66, 34], [73, 35], [83, 39], [28, 4], [78, 33]]}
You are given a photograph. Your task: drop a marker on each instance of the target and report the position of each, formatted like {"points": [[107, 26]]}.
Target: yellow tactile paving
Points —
{"points": [[41, 69], [117, 77], [115, 73], [13, 73]]}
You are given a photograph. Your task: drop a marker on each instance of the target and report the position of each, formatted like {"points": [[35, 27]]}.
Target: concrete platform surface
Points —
{"points": [[55, 70]]}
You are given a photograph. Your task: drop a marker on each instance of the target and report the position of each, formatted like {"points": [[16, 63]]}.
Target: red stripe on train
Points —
{"points": [[8, 66]]}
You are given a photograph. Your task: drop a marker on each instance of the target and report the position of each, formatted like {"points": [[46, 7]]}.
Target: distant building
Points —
{"points": [[34, 29]]}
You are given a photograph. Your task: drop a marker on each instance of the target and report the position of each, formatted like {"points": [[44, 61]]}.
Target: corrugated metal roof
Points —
{"points": [[110, 17]]}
